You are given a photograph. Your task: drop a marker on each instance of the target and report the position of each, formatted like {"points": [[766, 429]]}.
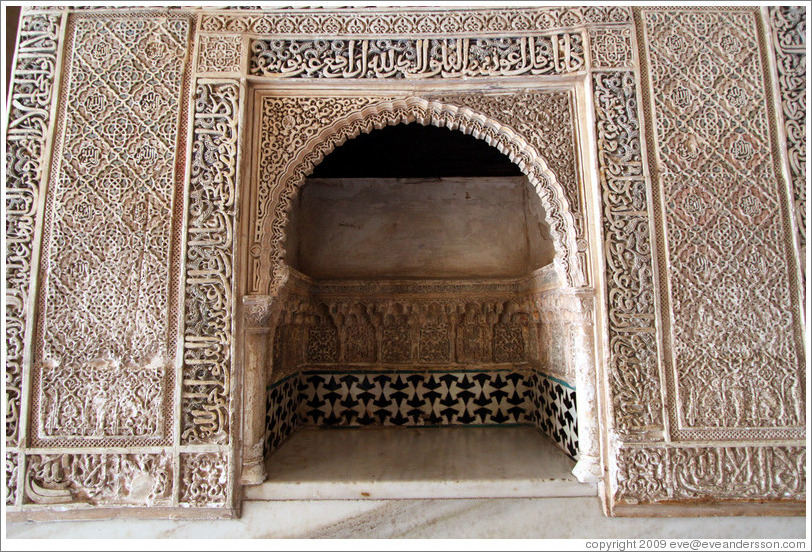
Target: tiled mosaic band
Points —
{"points": [[420, 399], [554, 410]]}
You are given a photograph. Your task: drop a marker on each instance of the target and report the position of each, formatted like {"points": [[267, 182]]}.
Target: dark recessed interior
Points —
{"points": [[415, 151]]}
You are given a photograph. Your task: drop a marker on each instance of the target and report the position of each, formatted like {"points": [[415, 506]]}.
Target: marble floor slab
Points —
{"points": [[451, 462], [506, 518]]}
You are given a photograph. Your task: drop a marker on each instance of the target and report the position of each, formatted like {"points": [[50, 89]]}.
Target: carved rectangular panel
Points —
{"points": [[649, 474], [105, 346], [219, 54], [611, 48], [98, 479], [204, 479], [29, 118], [735, 341]]}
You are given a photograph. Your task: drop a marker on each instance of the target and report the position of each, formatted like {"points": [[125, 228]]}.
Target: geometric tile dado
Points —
{"points": [[412, 399]]}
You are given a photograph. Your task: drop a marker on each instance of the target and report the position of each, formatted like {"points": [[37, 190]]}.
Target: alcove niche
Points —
{"points": [[420, 264]]}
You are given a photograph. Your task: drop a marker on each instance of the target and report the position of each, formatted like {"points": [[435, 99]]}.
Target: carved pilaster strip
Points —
{"points": [[208, 334], [28, 122], [788, 25], [633, 370]]}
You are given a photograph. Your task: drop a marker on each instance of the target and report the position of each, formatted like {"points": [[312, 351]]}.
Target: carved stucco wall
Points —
{"points": [[147, 288]]}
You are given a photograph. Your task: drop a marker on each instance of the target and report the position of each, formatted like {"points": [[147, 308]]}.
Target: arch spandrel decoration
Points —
{"points": [[268, 270]]}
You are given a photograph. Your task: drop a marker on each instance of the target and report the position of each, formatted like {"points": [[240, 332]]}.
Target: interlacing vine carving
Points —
{"points": [[28, 121], [208, 331], [204, 479], [12, 473]]}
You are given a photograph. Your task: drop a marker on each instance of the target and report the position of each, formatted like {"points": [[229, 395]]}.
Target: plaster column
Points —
{"points": [[257, 316], [588, 468]]}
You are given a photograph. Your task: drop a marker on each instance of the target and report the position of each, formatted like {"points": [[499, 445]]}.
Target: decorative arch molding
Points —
{"points": [[270, 270]]}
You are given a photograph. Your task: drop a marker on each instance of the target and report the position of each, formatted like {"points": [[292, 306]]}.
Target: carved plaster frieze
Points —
{"points": [[29, 119], [736, 358], [788, 25], [686, 474], [409, 22], [297, 132], [108, 478], [107, 260], [204, 480], [406, 329], [208, 334], [426, 58], [570, 306], [417, 288], [633, 372]]}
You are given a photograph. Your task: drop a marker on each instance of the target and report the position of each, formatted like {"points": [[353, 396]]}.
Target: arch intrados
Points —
{"points": [[425, 112]]}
